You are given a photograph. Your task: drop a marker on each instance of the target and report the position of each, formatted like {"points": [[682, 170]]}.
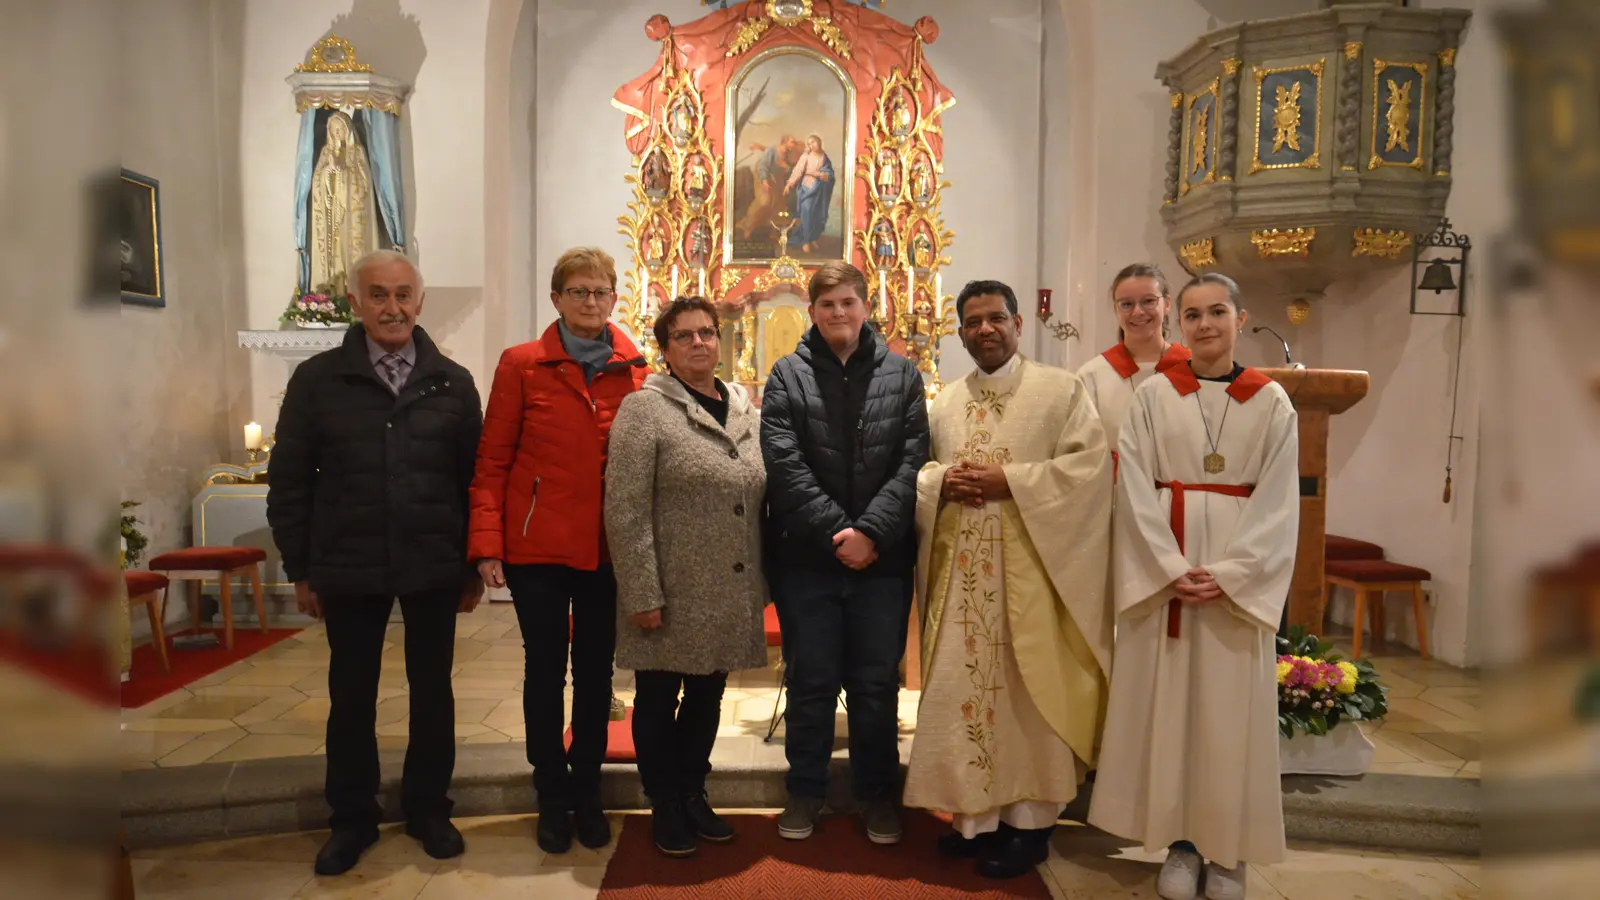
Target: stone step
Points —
{"points": [[222, 800]]}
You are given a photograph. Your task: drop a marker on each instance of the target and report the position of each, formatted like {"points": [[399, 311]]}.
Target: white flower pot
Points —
{"points": [[1346, 750], [334, 326]]}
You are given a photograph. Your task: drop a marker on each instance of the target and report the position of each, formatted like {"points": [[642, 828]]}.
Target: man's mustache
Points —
{"points": [[391, 320]]}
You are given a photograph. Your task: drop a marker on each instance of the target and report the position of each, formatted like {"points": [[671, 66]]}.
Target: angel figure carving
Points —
{"points": [[1398, 117], [1286, 118]]}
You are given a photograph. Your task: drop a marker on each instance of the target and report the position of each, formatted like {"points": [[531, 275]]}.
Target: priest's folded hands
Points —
{"points": [[975, 483]]}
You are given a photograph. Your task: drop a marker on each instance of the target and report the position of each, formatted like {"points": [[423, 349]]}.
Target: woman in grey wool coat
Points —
{"points": [[684, 492]]}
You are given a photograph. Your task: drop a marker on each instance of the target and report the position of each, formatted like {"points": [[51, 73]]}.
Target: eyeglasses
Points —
{"points": [[1148, 304], [686, 337], [581, 295]]}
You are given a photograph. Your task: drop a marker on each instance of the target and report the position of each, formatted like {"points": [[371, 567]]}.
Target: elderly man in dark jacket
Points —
{"points": [[844, 431], [368, 502]]}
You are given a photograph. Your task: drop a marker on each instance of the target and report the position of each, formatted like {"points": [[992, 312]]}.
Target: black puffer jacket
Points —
{"points": [[367, 492], [842, 445]]}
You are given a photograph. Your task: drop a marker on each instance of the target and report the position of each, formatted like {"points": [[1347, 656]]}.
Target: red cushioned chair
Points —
{"points": [[1375, 576], [148, 589], [197, 564]]}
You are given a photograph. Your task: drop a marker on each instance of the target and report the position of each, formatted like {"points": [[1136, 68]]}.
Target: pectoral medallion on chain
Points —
{"points": [[1215, 463]]}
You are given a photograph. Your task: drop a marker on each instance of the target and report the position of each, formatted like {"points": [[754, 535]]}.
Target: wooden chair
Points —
{"points": [[149, 589], [1375, 576], [198, 564], [1337, 547]]}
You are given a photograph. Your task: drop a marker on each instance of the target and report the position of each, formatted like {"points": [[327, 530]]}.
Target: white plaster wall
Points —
{"points": [[438, 46]]}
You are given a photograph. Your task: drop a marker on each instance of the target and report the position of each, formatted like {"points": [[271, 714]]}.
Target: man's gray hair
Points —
{"points": [[381, 256]]}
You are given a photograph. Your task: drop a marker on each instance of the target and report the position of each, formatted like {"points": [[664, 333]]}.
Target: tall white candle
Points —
{"points": [[252, 436], [883, 294], [911, 289], [702, 282], [674, 281]]}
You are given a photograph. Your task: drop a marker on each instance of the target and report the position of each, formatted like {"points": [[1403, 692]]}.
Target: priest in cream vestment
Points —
{"points": [[1013, 518]]}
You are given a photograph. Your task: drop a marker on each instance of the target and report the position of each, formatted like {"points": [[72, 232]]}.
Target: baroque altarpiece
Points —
{"points": [[770, 137]]}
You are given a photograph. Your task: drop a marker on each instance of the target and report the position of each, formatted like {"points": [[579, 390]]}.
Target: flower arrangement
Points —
{"points": [[1317, 689], [325, 306], [133, 540]]}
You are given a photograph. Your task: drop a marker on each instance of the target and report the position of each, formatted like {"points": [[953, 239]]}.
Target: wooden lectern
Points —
{"points": [[1317, 394]]}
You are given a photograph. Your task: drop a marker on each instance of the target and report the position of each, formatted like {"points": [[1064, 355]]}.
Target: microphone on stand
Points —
{"points": [[1288, 360]]}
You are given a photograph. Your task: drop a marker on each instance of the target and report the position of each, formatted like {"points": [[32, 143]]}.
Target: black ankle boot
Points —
{"points": [[705, 822], [669, 826], [555, 829], [594, 829]]}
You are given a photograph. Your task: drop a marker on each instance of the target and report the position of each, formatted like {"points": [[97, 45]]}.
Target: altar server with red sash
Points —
{"points": [[1142, 301], [1205, 527]]}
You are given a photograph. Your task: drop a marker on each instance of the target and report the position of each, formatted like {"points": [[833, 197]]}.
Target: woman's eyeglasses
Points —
{"points": [[686, 337], [581, 295]]}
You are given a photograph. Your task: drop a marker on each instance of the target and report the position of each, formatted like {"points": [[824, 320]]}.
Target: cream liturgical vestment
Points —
{"points": [[1191, 741], [1113, 376], [1016, 624]]}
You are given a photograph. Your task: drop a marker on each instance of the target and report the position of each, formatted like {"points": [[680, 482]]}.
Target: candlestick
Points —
{"points": [[1044, 304], [674, 281], [252, 436]]}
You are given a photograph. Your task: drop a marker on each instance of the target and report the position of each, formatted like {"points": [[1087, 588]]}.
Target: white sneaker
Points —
{"points": [[1224, 884], [1180, 875]]}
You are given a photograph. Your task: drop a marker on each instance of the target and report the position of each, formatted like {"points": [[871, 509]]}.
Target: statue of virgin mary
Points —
{"points": [[343, 223]]}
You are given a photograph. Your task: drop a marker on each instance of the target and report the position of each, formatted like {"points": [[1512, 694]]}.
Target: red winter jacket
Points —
{"points": [[536, 493]]}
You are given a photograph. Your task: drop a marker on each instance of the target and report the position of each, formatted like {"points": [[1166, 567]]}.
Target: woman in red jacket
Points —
{"points": [[536, 526]]}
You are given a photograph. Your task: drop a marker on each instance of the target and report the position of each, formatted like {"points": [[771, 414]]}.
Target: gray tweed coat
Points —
{"points": [[683, 518]]}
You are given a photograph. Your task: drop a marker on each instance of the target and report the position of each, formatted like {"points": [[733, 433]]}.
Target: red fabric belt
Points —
{"points": [[1178, 489], [1116, 463]]}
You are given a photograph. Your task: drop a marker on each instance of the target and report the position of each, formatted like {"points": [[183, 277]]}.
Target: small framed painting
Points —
{"points": [[140, 262]]}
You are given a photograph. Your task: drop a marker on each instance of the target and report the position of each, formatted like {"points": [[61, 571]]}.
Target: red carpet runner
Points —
{"points": [[147, 682], [837, 863]]}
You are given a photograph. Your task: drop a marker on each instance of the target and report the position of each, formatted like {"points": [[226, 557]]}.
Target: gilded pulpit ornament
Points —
{"points": [[1198, 254], [1447, 57], [1286, 119], [1398, 118], [1274, 242], [1352, 50], [1200, 140], [1377, 242]]}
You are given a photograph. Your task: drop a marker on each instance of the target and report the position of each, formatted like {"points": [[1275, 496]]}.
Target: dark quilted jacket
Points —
{"points": [[367, 492], [826, 473]]}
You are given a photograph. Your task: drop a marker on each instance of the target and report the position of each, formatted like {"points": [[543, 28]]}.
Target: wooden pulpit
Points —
{"points": [[1317, 394]]}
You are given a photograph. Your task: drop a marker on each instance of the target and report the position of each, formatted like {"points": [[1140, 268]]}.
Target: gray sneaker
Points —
{"points": [[799, 818], [883, 821]]}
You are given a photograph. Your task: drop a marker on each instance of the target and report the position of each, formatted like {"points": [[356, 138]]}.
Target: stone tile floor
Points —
{"points": [[275, 704], [502, 861]]}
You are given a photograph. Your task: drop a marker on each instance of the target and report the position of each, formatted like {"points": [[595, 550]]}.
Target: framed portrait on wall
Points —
{"points": [[139, 250], [790, 159]]}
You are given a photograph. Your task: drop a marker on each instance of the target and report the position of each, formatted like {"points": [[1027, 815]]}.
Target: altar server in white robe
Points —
{"points": [[1142, 301], [1205, 529], [1014, 519]]}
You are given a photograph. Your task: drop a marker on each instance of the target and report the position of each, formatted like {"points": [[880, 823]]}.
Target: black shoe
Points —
{"points": [[594, 829], [705, 822], [439, 836], [555, 830], [955, 845], [343, 849], [671, 830], [1013, 854]]}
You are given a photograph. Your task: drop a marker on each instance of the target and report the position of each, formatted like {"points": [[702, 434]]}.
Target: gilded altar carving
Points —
{"points": [[333, 54], [736, 204], [1380, 243], [1275, 243]]}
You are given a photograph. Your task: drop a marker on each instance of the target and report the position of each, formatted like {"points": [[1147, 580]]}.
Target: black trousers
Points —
{"points": [[356, 626], [674, 740], [544, 596]]}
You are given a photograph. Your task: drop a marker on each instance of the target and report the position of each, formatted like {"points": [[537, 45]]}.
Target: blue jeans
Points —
{"points": [[841, 629]]}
